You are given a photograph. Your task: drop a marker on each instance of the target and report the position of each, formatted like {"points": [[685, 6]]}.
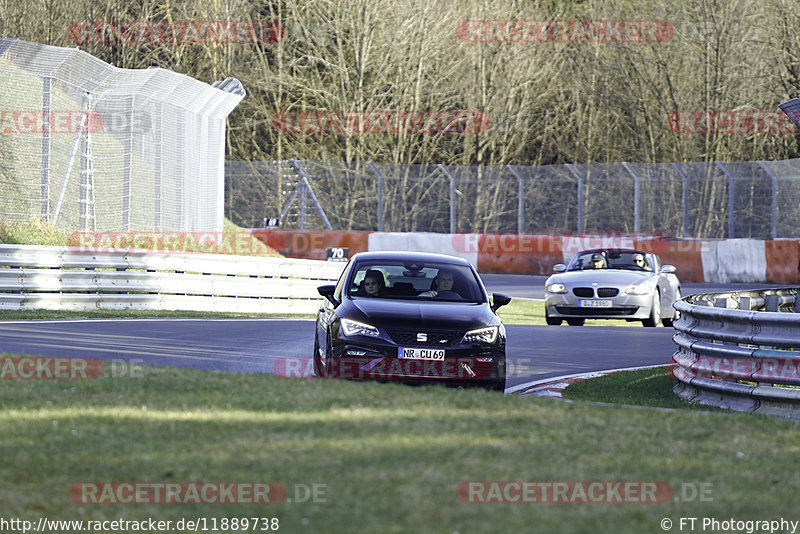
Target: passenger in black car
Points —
{"points": [[373, 285]]}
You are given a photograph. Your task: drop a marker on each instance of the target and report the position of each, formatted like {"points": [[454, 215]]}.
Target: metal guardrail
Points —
{"points": [[740, 350], [42, 277]]}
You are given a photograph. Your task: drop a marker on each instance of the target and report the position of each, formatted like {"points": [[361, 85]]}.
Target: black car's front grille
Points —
{"points": [[607, 292], [408, 338], [586, 292]]}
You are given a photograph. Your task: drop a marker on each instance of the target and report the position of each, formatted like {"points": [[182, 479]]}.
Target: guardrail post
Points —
{"points": [[771, 303], [720, 303], [744, 303], [797, 303]]}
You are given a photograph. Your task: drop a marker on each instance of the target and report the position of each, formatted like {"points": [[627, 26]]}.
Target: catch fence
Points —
{"points": [[690, 200], [91, 147]]}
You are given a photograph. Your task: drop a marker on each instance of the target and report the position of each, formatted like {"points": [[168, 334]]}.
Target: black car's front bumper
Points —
{"points": [[476, 363]]}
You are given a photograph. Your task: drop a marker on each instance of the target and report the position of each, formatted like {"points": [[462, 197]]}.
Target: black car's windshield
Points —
{"points": [[415, 281], [630, 261]]}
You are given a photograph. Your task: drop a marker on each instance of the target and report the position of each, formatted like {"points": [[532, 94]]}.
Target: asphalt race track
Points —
{"points": [[284, 346]]}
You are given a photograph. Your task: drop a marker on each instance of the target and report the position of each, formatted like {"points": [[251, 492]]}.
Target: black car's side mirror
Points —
{"points": [[498, 300], [327, 291]]}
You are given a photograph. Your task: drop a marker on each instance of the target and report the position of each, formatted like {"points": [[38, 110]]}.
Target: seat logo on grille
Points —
{"points": [[422, 336]]}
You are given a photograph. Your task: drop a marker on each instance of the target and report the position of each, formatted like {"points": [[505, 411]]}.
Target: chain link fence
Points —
{"points": [[91, 147], [703, 200]]}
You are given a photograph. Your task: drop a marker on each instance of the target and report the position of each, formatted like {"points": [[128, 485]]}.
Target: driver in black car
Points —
{"points": [[444, 286]]}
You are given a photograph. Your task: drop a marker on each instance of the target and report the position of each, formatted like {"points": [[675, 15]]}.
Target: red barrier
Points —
{"points": [[684, 255], [535, 254], [783, 261], [518, 254], [312, 244]]}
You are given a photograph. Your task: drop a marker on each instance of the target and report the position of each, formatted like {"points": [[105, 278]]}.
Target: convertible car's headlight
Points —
{"points": [[556, 288], [487, 335], [354, 328], [639, 289]]}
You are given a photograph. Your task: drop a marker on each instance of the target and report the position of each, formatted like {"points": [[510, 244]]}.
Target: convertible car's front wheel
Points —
{"points": [[676, 315], [655, 312], [552, 321]]}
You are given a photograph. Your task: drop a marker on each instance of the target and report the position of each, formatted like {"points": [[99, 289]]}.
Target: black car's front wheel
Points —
{"points": [[317, 358], [499, 384], [328, 355]]}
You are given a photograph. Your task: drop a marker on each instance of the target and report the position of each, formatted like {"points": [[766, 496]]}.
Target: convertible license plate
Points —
{"points": [[596, 303], [421, 354]]}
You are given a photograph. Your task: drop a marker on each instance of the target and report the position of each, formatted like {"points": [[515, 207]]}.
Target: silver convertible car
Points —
{"points": [[612, 284]]}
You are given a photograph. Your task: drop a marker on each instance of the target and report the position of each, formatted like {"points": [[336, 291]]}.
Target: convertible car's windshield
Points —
{"points": [[631, 261], [415, 281]]}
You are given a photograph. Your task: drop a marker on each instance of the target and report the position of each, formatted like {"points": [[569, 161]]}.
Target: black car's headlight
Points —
{"points": [[487, 335], [354, 328]]}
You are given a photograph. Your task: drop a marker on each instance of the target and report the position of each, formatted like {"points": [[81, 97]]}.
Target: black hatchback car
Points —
{"points": [[411, 317]]}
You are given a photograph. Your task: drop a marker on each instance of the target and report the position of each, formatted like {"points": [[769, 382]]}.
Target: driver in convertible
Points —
{"points": [[638, 261], [598, 261]]}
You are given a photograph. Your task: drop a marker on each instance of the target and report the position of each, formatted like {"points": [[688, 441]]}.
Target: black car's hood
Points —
{"points": [[431, 314]]}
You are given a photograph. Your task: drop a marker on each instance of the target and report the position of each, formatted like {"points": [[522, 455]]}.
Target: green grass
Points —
{"points": [[388, 457], [642, 387], [34, 232]]}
